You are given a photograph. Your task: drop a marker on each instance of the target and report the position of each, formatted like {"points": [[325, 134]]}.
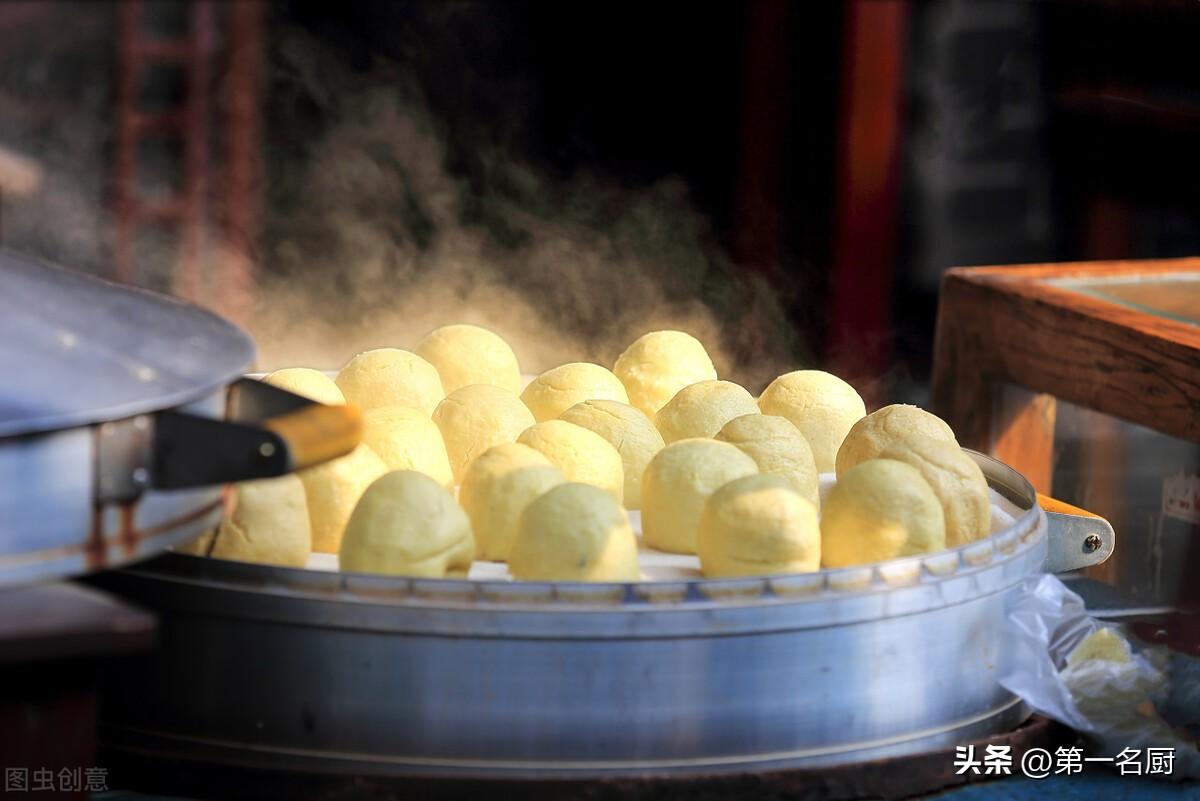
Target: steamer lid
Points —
{"points": [[77, 350]]}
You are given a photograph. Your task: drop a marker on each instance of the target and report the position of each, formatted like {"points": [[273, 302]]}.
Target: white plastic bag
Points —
{"points": [[1118, 701]]}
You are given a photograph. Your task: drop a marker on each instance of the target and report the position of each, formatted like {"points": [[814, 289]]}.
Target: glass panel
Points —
{"points": [[1146, 484], [1175, 296]]}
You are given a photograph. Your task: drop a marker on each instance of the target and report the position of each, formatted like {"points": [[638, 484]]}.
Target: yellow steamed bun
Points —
{"points": [[390, 377], [820, 404], [676, 484], [269, 524], [560, 388], [476, 417], [778, 448], [574, 532], [497, 487], [584, 456], [758, 525], [312, 384], [870, 435], [629, 431], [332, 489], [468, 354], [407, 525], [700, 410], [880, 509], [659, 364], [955, 479], [406, 439]]}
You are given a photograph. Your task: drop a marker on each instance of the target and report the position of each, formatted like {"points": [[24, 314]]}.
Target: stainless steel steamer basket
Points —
{"points": [[376, 675]]}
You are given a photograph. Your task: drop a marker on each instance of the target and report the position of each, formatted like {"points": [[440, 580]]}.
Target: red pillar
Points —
{"points": [[867, 179]]}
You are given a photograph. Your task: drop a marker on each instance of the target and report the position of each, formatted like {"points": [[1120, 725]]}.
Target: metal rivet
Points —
{"points": [[1092, 543], [140, 476], [266, 450]]}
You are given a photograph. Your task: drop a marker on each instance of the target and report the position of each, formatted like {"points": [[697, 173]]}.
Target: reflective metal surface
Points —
{"points": [[77, 350], [115, 436], [374, 674], [55, 520], [1078, 541]]}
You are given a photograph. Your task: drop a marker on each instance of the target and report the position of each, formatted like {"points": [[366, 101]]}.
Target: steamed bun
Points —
{"points": [[468, 354], [269, 524], [476, 417], [406, 439], [629, 431], [574, 532], [676, 484], [758, 525], [778, 448], [560, 388], [955, 479], [390, 377], [584, 456], [700, 410], [311, 384], [821, 405], [880, 509], [333, 488], [659, 364], [497, 487], [407, 525], [882, 427]]}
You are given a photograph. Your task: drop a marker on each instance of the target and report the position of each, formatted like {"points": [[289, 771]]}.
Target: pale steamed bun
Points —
{"points": [[820, 404], [955, 479], [882, 427], [407, 439], [468, 354], [574, 532], [778, 448], [497, 487], [390, 377], [332, 489], [311, 384], [702, 409], [407, 525], [659, 364], [584, 456], [560, 388], [269, 524], [676, 484], [476, 417], [880, 509], [629, 431], [755, 526]]}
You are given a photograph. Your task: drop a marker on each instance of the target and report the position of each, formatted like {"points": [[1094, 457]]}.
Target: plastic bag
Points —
{"points": [[1116, 696]]}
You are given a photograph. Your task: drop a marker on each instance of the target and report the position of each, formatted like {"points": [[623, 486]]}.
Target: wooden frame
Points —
{"points": [[1001, 328]]}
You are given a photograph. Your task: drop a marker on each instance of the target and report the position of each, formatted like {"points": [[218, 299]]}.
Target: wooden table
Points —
{"points": [[1121, 340]]}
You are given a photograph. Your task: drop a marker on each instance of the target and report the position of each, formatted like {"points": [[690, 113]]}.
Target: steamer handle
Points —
{"points": [[1077, 538], [267, 432]]}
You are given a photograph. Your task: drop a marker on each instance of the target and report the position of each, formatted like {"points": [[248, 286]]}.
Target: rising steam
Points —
{"points": [[388, 244], [369, 238]]}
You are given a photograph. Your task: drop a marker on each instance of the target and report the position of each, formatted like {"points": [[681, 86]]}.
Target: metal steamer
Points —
{"points": [[122, 414], [125, 415], [372, 675]]}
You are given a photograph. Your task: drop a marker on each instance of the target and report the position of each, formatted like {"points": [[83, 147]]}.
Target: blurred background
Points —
{"points": [[786, 180]]}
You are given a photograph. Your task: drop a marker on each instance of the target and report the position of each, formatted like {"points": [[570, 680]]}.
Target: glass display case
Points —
{"points": [[1086, 377]]}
